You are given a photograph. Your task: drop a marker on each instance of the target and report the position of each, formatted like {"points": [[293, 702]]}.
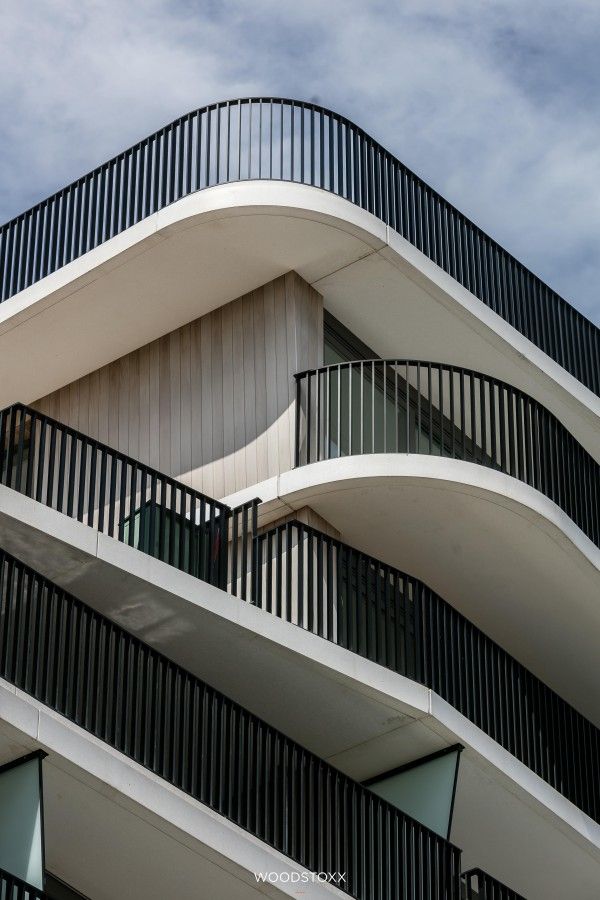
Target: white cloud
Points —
{"points": [[493, 103]]}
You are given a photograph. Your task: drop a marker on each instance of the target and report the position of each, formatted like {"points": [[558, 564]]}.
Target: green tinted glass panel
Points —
{"points": [[425, 791], [21, 847], [149, 529]]}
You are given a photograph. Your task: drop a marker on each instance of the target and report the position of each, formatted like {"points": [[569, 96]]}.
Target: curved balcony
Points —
{"points": [[109, 683], [287, 140], [413, 407], [309, 579], [361, 604]]}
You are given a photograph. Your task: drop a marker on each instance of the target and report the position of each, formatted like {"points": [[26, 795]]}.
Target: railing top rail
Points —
{"points": [[368, 364], [118, 454], [393, 361]]}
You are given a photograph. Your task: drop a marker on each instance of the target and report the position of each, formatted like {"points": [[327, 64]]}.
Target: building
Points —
{"points": [[300, 530]]}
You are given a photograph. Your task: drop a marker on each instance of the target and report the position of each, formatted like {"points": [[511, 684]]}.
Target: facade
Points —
{"points": [[299, 530]]}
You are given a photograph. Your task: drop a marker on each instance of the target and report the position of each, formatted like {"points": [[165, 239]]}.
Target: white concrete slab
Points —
{"points": [[220, 243]]}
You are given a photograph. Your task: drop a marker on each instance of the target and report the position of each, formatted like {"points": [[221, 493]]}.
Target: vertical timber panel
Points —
{"points": [[212, 402]]}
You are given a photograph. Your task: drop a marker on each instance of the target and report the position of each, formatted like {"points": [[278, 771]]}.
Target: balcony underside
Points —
{"points": [[218, 244], [375, 718], [106, 818]]}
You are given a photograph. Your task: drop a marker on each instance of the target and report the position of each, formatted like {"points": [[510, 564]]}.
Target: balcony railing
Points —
{"points": [[478, 885], [12, 888], [287, 140], [315, 581], [363, 605], [405, 406], [97, 675], [121, 497]]}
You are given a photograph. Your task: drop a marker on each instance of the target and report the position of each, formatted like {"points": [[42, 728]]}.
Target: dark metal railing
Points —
{"points": [[13, 888], [313, 580], [478, 885], [108, 682], [123, 498], [406, 406], [282, 139], [354, 600]]}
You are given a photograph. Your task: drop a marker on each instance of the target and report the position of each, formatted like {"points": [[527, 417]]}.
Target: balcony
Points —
{"points": [[103, 680], [307, 578], [118, 496], [357, 602], [285, 140], [405, 406]]}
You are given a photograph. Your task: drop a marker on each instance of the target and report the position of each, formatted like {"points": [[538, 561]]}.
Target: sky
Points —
{"points": [[493, 102]]}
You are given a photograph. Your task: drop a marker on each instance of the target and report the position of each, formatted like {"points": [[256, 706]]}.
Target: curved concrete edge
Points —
{"points": [[365, 677], [296, 488], [292, 200], [211, 204], [217, 839]]}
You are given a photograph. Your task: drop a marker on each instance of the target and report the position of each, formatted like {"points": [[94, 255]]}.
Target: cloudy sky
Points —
{"points": [[494, 103]]}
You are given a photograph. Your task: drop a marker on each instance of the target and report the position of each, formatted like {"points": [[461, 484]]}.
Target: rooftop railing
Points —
{"points": [[98, 676], [288, 140], [406, 406]]}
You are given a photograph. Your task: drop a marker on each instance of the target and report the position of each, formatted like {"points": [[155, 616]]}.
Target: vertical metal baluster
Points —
{"points": [[41, 459], [396, 408], [132, 511], [339, 410], [102, 488], [407, 377], [174, 491], [74, 443], [309, 416], [123, 469], [281, 142], [61, 469], [92, 484], [250, 115], [31, 453], [430, 414], [452, 413], [84, 444], [301, 538], [350, 423], [372, 406], [384, 407], [302, 178], [419, 399], [462, 413], [271, 139], [112, 494]]}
